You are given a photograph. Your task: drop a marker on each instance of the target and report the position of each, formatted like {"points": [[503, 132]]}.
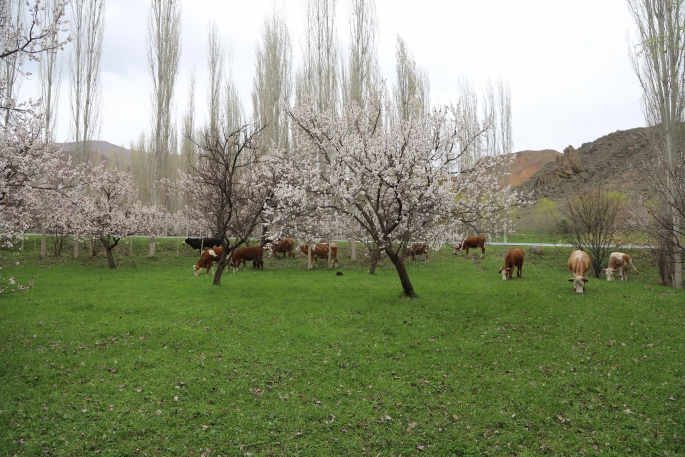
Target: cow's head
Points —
{"points": [[505, 272], [196, 270], [458, 247], [578, 283], [610, 273]]}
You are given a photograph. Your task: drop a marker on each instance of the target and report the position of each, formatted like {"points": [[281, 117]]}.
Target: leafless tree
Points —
{"points": [[361, 77], [215, 65], [273, 81], [318, 76], [188, 148], [234, 114], [226, 187], [597, 222], [163, 54], [658, 58], [13, 12], [87, 32], [412, 90], [50, 75]]}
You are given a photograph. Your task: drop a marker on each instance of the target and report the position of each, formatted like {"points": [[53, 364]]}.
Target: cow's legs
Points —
{"points": [[482, 253]]}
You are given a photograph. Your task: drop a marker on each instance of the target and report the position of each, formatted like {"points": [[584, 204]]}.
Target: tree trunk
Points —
{"points": [[309, 256], [76, 246], [43, 243], [110, 257], [677, 256], [152, 246], [375, 257], [353, 249], [223, 261], [396, 260], [109, 246]]}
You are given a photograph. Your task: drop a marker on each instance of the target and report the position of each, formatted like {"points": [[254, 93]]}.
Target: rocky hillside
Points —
{"points": [[614, 162]]}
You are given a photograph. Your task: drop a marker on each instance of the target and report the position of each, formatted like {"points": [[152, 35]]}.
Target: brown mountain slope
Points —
{"points": [[527, 163], [616, 162]]}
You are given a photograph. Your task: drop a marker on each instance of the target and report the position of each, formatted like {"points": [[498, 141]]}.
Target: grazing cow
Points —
{"points": [[202, 243], [578, 264], [242, 255], [207, 259], [514, 258], [320, 251], [285, 246], [418, 249], [471, 242], [619, 262]]}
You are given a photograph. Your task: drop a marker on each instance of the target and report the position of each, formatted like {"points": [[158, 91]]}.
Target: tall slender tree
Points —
{"points": [[215, 66], [658, 58], [319, 73], [361, 77], [188, 148], [412, 89], [163, 53], [272, 84], [50, 74], [87, 32], [13, 12]]}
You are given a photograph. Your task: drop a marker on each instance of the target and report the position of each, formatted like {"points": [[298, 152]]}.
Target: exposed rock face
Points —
{"points": [[565, 167]]}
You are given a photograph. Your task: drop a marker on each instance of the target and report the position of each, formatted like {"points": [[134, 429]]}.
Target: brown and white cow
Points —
{"points": [[207, 259], [285, 246], [514, 258], [242, 255], [418, 249], [471, 242], [578, 264], [619, 263], [320, 251]]}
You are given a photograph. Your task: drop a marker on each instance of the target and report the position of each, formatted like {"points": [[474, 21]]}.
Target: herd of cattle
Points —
{"points": [[579, 262]]}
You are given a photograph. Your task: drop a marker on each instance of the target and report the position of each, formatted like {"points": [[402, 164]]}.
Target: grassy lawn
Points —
{"points": [[149, 360]]}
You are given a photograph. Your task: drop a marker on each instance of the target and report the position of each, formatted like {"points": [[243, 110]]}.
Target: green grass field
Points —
{"points": [[149, 360]]}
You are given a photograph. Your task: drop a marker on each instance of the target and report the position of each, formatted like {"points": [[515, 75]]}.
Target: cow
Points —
{"points": [[471, 242], [202, 243], [418, 249], [621, 263], [242, 255], [285, 246], [514, 258], [578, 264], [207, 259], [320, 251]]}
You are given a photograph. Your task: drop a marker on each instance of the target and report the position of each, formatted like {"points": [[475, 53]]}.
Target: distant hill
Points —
{"points": [[616, 162], [527, 163], [105, 149]]}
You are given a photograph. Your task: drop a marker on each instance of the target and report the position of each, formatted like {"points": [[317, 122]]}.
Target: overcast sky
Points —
{"points": [[567, 62]]}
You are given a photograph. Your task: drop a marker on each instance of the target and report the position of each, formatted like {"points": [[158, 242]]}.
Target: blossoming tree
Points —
{"points": [[389, 182], [110, 207]]}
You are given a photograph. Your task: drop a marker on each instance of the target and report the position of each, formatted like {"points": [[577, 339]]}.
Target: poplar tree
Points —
{"points": [[87, 32], [163, 53], [658, 59]]}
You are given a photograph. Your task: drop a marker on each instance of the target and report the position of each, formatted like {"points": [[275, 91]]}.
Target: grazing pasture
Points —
{"points": [[149, 359]]}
